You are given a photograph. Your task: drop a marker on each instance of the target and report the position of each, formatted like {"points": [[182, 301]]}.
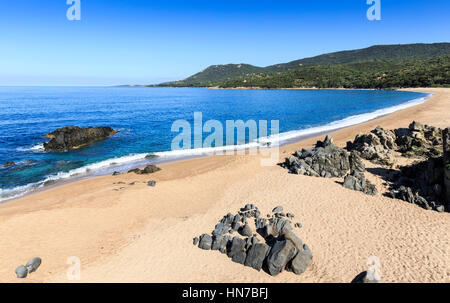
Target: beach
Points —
{"points": [[138, 233]]}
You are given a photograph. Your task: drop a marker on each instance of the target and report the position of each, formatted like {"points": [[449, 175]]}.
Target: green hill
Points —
{"points": [[354, 68]]}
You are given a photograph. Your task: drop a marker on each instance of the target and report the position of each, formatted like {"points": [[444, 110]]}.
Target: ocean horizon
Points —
{"points": [[144, 116]]}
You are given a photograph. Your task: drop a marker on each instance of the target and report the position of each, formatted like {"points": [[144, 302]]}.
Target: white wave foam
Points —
{"points": [[272, 140], [35, 148]]}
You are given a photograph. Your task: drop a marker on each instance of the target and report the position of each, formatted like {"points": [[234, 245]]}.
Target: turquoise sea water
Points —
{"points": [[144, 116]]}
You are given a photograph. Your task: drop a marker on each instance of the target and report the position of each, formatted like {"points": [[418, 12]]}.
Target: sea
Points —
{"points": [[147, 120]]}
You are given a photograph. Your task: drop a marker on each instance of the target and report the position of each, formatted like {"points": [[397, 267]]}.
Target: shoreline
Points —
{"points": [[144, 234], [291, 137]]}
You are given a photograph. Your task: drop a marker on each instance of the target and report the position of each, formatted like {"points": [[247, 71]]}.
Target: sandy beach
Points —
{"points": [[138, 233]]}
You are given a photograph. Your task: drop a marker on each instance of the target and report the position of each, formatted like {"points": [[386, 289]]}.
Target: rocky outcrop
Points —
{"points": [[375, 146], [324, 160], [446, 163], [422, 183], [327, 160], [74, 137], [149, 169], [281, 250], [419, 140]]}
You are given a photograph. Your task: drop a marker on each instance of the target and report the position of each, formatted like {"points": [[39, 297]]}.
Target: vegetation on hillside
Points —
{"points": [[384, 66]]}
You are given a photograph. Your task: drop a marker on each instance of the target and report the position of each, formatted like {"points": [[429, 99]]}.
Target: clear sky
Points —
{"points": [[142, 42]]}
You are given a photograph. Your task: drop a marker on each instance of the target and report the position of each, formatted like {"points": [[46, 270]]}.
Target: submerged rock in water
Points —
{"points": [[74, 137], [8, 164]]}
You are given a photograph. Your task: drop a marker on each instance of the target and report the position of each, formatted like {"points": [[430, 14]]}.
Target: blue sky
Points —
{"points": [[143, 42]]}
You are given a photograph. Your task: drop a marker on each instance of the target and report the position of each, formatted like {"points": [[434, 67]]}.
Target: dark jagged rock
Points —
{"points": [[355, 162], [256, 255], [446, 160], [237, 250], [282, 248], [151, 183], [149, 169], [220, 229], [375, 146], [419, 140], [74, 137], [277, 209], [422, 184], [195, 241], [366, 277], [116, 173], [324, 160], [246, 231], [205, 242], [357, 181]]}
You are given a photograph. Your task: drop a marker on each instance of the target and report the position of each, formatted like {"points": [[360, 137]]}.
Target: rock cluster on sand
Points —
{"points": [[74, 137], [325, 160], [281, 248], [416, 140], [425, 183], [149, 169], [328, 160], [31, 266]]}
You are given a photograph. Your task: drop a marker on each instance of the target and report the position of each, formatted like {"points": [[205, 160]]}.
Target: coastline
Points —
{"points": [[124, 163], [108, 230]]}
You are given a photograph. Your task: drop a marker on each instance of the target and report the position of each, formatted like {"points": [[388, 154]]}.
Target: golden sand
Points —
{"points": [[144, 234]]}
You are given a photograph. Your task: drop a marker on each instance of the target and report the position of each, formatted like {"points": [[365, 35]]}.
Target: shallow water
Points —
{"points": [[144, 117]]}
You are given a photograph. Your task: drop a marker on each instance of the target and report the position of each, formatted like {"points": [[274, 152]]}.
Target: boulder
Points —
{"points": [[151, 183], [21, 272], [220, 229], [33, 264], [205, 242], [301, 261], [74, 137], [237, 250], [279, 256], [246, 231], [149, 169], [256, 255], [277, 209]]}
